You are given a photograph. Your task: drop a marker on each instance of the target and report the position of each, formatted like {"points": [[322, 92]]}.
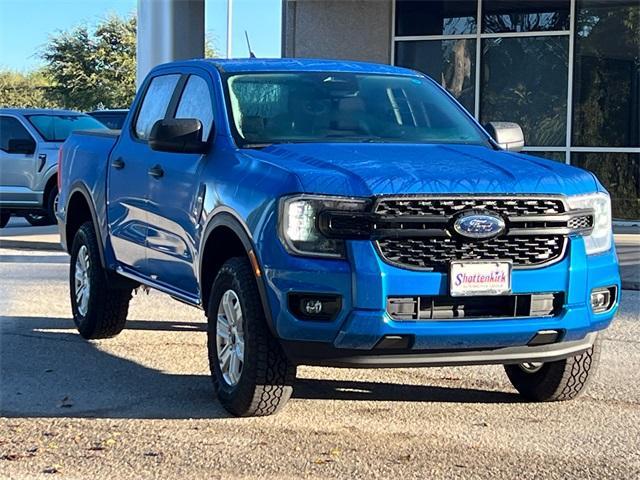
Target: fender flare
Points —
{"points": [[227, 217], [82, 189]]}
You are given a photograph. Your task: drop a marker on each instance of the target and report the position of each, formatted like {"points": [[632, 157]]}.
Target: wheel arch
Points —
{"points": [[80, 209], [226, 236], [51, 183]]}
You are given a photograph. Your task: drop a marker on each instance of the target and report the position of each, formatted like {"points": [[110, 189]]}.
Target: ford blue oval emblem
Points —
{"points": [[479, 224]]}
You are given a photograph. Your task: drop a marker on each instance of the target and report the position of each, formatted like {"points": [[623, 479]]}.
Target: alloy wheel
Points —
{"points": [[82, 284], [230, 337]]}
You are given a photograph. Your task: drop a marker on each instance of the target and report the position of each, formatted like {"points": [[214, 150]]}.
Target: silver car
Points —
{"points": [[29, 143]]}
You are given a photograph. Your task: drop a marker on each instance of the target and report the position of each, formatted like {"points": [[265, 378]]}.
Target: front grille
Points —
{"points": [[444, 307], [507, 206], [419, 233], [436, 253]]}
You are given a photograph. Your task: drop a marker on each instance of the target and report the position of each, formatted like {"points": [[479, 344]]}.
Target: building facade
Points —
{"points": [[568, 71]]}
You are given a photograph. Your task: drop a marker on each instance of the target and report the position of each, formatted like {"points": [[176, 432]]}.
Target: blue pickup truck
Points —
{"points": [[342, 214]]}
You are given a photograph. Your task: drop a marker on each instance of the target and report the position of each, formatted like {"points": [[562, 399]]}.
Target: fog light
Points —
{"points": [[309, 306], [602, 299], [312, 306]]}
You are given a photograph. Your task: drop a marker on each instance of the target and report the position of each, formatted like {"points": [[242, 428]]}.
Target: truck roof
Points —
{"points": [[297, 64]]}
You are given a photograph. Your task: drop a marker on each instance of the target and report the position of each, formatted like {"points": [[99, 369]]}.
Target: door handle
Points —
{"points": [[42, 158], [156, 171], [118, 164]]}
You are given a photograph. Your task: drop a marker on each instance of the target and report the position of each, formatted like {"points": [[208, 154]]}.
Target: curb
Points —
{"points": [[30, 245]]}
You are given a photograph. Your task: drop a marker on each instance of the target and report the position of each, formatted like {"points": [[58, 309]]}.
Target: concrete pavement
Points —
{"points": [[141, 405], [18, 233]]}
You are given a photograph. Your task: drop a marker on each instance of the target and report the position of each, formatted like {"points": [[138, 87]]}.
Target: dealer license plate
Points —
{"points": [[480, 278]]}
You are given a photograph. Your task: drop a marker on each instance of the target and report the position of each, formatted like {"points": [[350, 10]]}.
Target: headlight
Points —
{"points": [[298, 227], [601, 237]]}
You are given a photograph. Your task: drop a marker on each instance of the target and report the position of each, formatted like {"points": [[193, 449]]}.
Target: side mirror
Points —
{"points": [[506, 134], [180, 135], [21, 145]]}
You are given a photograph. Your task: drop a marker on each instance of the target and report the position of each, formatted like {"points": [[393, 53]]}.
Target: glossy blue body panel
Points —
{"points": [[155, 229]]}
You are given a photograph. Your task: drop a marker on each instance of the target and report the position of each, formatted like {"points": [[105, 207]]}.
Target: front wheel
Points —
{"points": [[555, 381], [99, 303], [38, 219], [251, 374]]}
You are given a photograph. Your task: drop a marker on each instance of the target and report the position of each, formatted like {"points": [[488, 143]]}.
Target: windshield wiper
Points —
{"points": [[256, 146]]}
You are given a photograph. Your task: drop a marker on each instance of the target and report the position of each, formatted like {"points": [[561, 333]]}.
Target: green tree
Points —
{"points": [[93, 69], [25, 90]]}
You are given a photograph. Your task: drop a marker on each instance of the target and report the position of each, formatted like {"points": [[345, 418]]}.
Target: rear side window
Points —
{"points": [[195, 102], [12, 129], [155, 103]]}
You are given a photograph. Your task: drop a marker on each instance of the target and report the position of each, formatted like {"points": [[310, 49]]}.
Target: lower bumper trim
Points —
{"points": [[325, 354]]}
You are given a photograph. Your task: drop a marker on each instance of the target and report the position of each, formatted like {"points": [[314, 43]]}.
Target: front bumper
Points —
{"points": [[352, 336], [309, 353]]}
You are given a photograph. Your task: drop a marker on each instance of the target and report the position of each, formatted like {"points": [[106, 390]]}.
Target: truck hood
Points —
{"points": [[378, 169]]}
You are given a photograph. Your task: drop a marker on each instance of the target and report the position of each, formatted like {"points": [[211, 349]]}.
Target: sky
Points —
{"points": [[25, 25]]}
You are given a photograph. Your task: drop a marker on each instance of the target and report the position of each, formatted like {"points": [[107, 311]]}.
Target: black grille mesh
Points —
{"points": [[447, 207], [436, 253], [577, 223]]}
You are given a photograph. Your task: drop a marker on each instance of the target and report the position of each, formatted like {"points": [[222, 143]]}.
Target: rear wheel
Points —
{"points": [[99, 302], [555, 381], [251, 374]]}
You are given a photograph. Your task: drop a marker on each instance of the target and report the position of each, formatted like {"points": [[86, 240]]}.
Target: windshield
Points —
{"points": [[56, 128], [344, 107]]}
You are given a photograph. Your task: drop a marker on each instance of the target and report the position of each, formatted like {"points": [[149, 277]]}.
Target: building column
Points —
{"points": [[168, 30]]}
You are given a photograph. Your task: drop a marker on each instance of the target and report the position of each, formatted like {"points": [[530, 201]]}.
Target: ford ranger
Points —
{"points": [[343, 214]]}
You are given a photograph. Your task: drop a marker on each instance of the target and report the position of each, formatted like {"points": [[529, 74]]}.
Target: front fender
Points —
{"points": [[229, 218]]}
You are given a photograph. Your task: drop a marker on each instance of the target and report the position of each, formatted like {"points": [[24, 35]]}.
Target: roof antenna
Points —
{"points": [[251, 54]]}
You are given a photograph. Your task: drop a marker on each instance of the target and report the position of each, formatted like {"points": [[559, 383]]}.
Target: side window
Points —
{"points": [[12, 129], [196, 103], [155, 103]]}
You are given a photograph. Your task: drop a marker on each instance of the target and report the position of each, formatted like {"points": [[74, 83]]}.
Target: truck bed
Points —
{"points": [[84, 165]]}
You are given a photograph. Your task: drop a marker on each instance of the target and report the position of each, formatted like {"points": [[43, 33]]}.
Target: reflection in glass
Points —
{"points": [[525, 15], [435, 17], [524, 80], [620, 175], [449, 62], [606, 79], [555, 156]]}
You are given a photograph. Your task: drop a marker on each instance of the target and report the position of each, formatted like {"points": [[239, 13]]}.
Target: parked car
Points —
{"points": [[338, 213], [29, 142], [113, 119]]}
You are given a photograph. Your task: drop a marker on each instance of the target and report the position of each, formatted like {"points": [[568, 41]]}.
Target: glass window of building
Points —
{"points": [[435, 17], [452, 63], [525, 15], [555, 156], [524, 80], [620, 175], [606, 79]]}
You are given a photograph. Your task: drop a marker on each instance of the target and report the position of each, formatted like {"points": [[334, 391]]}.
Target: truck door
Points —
{"points": [[17, 163], [175, 197], [128, 184]]}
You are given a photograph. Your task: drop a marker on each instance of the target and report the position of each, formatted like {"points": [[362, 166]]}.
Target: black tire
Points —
{"points": [[48, 215], [556, 381], [267, 376], [108, 298], [37, 219], [4, 218]]}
